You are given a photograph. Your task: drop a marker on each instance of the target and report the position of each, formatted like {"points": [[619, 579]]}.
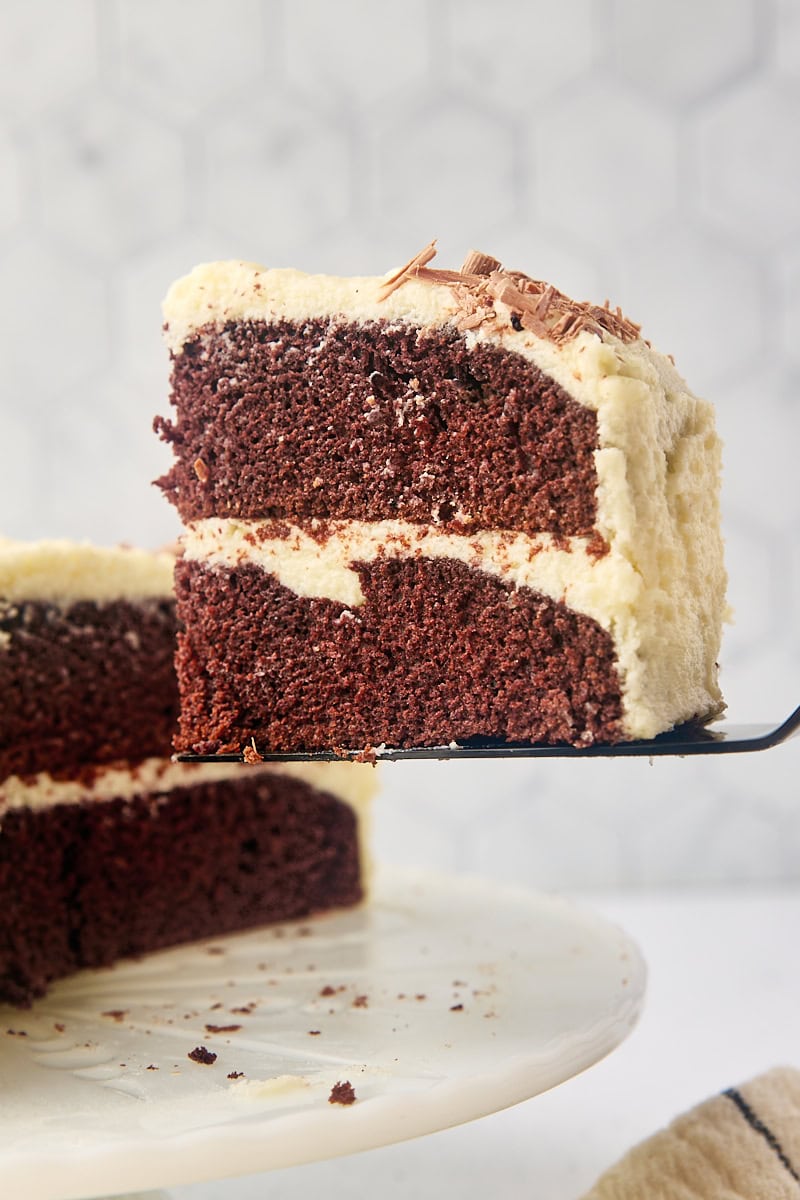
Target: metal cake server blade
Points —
{"points": [[679, 742]]}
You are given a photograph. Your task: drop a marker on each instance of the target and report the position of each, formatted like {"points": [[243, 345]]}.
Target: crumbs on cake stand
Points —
{"points": [[342, 1092], [201, 1055]]}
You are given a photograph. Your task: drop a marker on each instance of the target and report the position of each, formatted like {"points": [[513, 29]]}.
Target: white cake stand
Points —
{"points": [[443, 1000]]}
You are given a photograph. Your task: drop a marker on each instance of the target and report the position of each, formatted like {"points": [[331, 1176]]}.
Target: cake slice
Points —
{"points": [[107, 847], [434, 506]]}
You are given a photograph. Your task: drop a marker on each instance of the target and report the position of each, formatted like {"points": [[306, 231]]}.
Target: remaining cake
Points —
{"points": [[107, 848], [434, 506], [72, 620]]}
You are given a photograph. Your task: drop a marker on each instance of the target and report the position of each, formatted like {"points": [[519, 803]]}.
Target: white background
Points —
{"points": [[643, 151]]}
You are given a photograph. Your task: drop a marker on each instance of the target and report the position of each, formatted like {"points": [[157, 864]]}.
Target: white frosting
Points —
{"points": [[238, 291], [62, 572], [660, 591]]}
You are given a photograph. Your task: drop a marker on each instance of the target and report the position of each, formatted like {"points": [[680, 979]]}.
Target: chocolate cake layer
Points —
{"points": [[85, 683], [373, 421], [82, 885], [438, 651]]}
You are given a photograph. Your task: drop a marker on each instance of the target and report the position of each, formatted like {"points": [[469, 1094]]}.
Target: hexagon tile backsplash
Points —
{"points": [[625, 148]]}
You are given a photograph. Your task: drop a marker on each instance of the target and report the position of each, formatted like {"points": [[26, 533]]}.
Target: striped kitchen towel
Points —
{"points": [[743, 1144]]}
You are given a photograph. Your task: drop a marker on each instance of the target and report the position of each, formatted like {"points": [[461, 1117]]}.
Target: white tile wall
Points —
{"points": [[624, 148]]}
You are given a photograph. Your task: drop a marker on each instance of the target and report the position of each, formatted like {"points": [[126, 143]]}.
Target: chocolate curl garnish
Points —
{"points": [[434, 275], [523, 303], [411, 268], [542, 309], [473, 320], [477, 263]]}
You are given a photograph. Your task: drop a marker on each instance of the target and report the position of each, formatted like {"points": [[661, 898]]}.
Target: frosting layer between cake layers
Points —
{"points": [[547, 450]]}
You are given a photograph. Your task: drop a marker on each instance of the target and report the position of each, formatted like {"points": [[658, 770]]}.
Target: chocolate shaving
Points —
{"points": [[408, 271], [435, 275], [535, 305], [477, 263], [543, 307]]}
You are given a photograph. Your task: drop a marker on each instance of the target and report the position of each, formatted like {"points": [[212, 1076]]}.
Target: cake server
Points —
{"points": [[687, 739]]}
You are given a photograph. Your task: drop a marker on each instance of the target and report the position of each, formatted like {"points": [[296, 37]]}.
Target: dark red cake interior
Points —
{"points": [[82, 885], [88, 683], [375, 421], [437, 652]]}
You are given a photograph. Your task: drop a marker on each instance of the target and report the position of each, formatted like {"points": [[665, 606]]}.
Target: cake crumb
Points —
{"points": [[250, 754], [116, 1014], [314, 1032], [201, 1055], [456, 1008], [222, 1028], [152, 1067], [236, 1075], [342, 1093], [361, 1002]]}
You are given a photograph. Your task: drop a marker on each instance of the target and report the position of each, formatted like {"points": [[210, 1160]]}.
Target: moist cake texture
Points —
{"points": [[434, 506], [132, 859], [87, 641], [107, 848]]}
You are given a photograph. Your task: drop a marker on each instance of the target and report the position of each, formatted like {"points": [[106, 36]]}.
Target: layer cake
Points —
{"points": [[107, 848], [434, 506]]}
